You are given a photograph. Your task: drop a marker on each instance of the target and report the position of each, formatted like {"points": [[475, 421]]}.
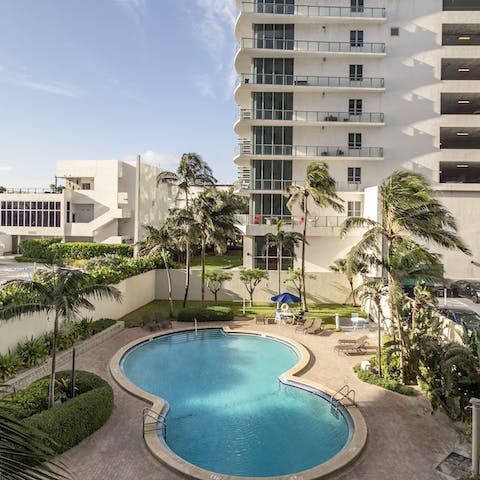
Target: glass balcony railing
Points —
{"points": [[310, 80], [313, 46], [269, 184], [272, 219], [248, 148], [312, 10], [310, 116]]}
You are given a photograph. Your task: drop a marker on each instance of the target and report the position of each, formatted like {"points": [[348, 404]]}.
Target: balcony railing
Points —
{"points": [[313, 46], [310, 116], [248, 148], [312, 10], [312, 221], [34, 190], [310, 80], [282, 185]]}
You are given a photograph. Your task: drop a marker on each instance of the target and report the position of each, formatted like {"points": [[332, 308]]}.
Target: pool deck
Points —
{"points": [[404, 439]]}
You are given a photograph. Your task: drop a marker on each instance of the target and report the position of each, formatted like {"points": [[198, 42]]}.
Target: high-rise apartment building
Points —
{"points": [[370, 87]]}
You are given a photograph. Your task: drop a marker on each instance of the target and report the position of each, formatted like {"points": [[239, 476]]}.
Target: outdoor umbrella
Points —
{"points": [[286, 298]]}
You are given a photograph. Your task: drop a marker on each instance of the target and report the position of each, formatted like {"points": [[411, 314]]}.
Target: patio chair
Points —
{"points": [[162, 321], [345, 341], [358, 347], [316, 328], [259, 318], [305, 326]]}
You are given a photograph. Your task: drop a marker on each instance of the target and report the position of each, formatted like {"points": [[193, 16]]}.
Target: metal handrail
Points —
{"points": [[248, 148], [312, 10], [272, 219], [160, 422], [313, 45], [344, 392], [310, 80], [309, 116]]}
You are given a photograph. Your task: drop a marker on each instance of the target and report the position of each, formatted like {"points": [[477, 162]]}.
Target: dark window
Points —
{"points": [[357, 5], [356, 72], [461, 5], [356, 38], [394, 31], [355, 140], [355, 106], [354, 175]]}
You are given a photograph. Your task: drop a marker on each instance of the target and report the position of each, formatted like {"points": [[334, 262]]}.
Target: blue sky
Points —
{"points": [[104, 79]]}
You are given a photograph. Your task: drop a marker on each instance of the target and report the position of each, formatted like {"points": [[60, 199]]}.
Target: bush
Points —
{"points": [[39, 249], [102, 324], [33, 351], [86, 250], [83, 329], [9, 366], [372, 378], [75, 419], [207, 314]]}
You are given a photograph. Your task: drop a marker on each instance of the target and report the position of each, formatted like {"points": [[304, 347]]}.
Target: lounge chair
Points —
{"points": [[162, 321], [316, 328], [260, 319], [344, 341], [359, 347], [305, 326]]}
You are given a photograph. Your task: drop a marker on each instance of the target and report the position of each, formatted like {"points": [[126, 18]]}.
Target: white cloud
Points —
{"points": [[166, 161], [205, 83], [55, 88], [134, 8]]}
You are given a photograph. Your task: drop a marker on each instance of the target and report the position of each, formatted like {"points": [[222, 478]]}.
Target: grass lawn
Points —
{"points": [[233, 258], [326, 311]]}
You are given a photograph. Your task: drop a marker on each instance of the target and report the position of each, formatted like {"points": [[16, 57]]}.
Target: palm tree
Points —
{"points": [[320, 186], [192, 171], [282, 241], [24, 452], [212, 215], [408, 209], [60, 292], [159, 240]]}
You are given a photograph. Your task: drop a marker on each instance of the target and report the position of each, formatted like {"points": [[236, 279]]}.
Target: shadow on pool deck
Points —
{"points": [[405, 439]]}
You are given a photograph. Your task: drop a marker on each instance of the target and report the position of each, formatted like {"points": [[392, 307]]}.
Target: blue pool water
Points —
{"points": [[228, 411]]}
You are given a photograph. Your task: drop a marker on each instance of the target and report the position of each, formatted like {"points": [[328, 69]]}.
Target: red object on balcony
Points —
{"points": [[256, 219], [302, 220]]}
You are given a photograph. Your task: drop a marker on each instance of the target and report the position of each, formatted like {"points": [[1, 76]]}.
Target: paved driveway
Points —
{"points": [[405, 440]]}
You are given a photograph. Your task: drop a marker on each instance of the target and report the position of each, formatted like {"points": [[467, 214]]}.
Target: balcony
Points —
{"points": [[310, 116], [247, 148], [311, 46], [254, 220], [312, 10], [311, 81], [251, 185]]}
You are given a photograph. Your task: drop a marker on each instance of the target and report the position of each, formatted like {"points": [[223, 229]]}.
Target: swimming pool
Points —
{"points": [[229, 414]]}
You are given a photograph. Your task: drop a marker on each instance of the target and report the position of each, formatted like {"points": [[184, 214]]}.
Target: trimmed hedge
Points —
{"points": [[86, 250], [39, 248], [207, 314], [373, 379], [75, 419]]}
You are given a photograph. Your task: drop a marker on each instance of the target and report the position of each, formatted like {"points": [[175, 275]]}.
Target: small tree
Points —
{"points": [[251, 278], [350, 267], [296, 278], [215, 281]]}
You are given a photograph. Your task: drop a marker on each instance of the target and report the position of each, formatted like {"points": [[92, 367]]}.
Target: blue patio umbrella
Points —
{"points": [[286, 298]]}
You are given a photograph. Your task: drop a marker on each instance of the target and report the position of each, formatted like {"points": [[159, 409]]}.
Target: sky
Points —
{"points": [[110, 79]]}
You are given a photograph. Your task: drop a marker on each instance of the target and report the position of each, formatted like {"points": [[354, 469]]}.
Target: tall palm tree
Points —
{"points": [[212, 215], [24, 452], [409, 210], [60, 292], [159, 240], [284, 242], [320, 187], [192, 171]]}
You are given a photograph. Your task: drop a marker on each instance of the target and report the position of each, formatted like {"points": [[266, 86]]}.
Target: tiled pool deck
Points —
{"points": [[404, 440]]}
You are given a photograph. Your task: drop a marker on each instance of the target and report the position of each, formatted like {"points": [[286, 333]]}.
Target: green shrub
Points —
{"points": [[75, 419], [33, 351], [372, 378], [86, 250], [207, 314], [9, 366], [39, 249], [83, 329], [29, 401], [102, 324]]}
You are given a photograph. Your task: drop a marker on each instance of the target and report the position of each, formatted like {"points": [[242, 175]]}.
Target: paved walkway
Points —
{"points": [[405, 440]]}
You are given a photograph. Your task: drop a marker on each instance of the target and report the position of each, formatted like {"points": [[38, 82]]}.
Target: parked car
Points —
{"points": [[464, 288], [461, 315]]}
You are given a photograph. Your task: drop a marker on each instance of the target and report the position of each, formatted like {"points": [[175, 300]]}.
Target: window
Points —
{"points": [[272, 106], [355, 106], [271, 174], [357, 5], [354, 175], [266, 257], [356, 72], [272, 140], [356, 38], [276, 71], [269, 208], [26, 214], [354, 209], [354, 140], [85, 186], [277, 36], [285, 7], [394, 32]]}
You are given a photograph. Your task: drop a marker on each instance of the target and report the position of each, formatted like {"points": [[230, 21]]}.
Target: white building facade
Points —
{"points": [[370, 87], [101, 201]]}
